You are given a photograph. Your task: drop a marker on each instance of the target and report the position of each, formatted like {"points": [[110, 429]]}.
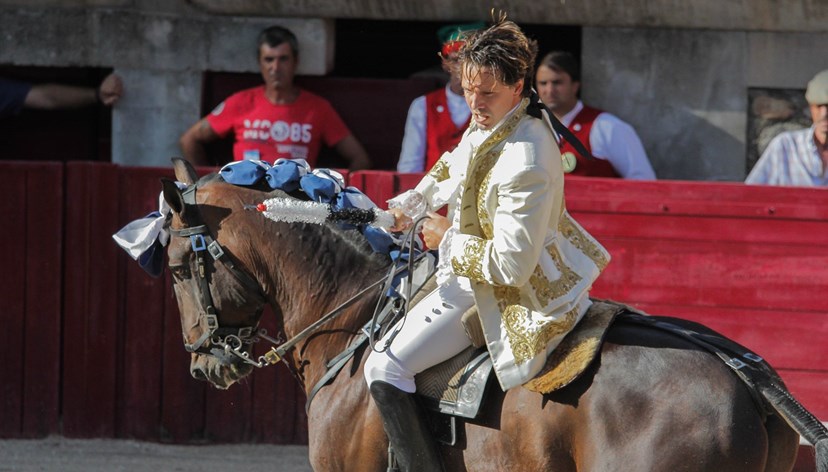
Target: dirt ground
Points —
{"points": [[75, 455]]}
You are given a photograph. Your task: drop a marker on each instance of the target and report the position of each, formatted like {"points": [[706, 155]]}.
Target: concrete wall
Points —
{"points": [[677, 71], [686, 91], [160, 51], [749, 15]]}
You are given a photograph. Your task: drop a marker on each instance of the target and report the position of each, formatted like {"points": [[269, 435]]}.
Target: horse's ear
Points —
{"points": [[173, 196], [184, 171]]}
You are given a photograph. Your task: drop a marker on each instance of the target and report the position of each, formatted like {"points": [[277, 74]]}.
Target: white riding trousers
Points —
{"points": [[431, 333]]}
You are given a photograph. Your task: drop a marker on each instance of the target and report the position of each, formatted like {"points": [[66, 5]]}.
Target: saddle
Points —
{"points": [[457, 386]]}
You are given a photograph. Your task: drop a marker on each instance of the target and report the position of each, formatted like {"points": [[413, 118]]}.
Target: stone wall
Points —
{"points": [[678, 71], [752, 15], [160, 51], [686, 91]]}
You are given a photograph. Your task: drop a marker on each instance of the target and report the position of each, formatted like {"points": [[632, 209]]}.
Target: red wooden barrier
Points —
{"points": [[43, 253], [32, 209], [747, 261], [92, 341], [93, 344], [382, 185]]}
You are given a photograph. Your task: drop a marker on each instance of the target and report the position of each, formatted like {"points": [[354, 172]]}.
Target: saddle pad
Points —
{"points": [[577, 350]]}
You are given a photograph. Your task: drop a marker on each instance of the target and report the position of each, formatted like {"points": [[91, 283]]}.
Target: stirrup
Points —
{"points": [[392, 461]]}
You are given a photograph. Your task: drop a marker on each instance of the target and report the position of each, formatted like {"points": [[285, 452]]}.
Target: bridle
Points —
{"points": [[229, 339], [232, 339]]}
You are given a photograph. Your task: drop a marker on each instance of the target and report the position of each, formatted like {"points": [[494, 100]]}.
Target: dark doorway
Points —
{"points": [[379, 67], [399, 49], [57, 135]]}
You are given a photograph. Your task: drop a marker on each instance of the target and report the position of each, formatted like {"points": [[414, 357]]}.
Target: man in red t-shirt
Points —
{"points": [[278, 119]]}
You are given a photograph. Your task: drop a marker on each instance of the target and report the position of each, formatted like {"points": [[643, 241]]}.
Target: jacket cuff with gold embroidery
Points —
{"points": [[468, 254]]}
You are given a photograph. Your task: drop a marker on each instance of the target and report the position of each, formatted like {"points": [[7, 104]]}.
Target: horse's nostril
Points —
{"points": [[198, 374]]}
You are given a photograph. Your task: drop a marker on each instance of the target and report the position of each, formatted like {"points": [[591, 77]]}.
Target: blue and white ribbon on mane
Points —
{"points": [[144, 239]]}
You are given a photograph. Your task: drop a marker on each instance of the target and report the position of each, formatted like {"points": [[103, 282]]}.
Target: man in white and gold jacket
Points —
{"points": [[508, 245]]}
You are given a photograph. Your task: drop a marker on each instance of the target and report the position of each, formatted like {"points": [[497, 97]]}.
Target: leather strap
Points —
{"points": [[536, 106]]}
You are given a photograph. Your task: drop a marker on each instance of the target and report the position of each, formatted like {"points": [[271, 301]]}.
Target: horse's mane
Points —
{"points": [[337, 237]]}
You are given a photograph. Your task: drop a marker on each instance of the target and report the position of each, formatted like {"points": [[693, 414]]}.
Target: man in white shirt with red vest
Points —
{"points": [[437, 120], [617, 150]]}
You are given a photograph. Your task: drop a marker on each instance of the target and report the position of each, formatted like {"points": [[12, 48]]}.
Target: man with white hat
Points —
{"points": [[799, 158]]}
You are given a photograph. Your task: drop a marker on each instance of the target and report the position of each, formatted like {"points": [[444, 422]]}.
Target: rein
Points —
{"points": [[231, 340]]}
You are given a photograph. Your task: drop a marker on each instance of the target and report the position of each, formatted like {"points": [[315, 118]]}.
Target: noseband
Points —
{"points": [[230, 339]]}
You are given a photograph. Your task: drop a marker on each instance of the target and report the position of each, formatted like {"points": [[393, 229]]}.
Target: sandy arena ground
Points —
{"points": [[74, 455]]}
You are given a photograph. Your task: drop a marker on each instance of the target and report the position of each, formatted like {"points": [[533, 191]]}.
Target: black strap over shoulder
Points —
{"points": [[535, 109]]}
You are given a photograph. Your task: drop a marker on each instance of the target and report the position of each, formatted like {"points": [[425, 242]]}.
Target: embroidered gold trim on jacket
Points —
{"points": [[545, 289], [506, 295], [440, 171], [527, 338], [505, 130], [482, 212], [471, 262], [480, 168], [579, 239]]}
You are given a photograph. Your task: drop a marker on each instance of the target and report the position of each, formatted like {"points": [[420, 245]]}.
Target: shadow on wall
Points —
{"points": [[684, 92], [696, 148]]}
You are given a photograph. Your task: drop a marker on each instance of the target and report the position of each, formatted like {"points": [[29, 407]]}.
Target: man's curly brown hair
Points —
{"points": [[504, 50]]}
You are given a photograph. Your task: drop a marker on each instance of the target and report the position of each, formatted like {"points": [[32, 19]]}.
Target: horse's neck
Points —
{"points": [[310, 272]]}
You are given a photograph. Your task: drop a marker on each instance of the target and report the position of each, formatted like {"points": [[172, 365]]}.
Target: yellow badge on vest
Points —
{"points": [[569, 161]]}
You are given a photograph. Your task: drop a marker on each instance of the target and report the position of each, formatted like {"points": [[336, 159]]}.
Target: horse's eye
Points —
{"points": [[180, 271]]}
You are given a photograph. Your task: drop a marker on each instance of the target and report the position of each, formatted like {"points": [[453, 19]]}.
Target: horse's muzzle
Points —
{"points": [[218, 371]]}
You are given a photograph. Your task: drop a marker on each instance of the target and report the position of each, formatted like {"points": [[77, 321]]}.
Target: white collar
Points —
{"points": [[567, 119]]}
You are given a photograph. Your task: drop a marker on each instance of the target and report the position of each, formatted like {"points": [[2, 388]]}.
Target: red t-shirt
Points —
{"points": [[268, 132]]}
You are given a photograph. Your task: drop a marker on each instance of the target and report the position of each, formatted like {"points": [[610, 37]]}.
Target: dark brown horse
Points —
{"points": [[653, 402]]}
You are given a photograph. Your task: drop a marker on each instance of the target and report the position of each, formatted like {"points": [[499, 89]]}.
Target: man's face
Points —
{"points": [[557, 90], [819, 113], [489, 99], [277, 65]]}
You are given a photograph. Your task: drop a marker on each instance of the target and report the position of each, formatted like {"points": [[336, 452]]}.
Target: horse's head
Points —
{"points": [[219, 302]]}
